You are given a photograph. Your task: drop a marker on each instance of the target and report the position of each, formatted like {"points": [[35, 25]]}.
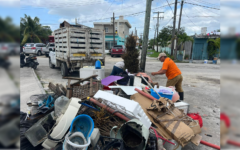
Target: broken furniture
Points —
{"points": [[126, 106], [83, 91]]}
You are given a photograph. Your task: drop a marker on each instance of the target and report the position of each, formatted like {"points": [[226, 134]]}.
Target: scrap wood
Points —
{"points": [[63, 88], [59, 90], [52, 87]]}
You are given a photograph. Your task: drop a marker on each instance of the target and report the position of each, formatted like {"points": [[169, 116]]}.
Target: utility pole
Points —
{"points": [[180, 17], [174, 24], [145, 35], [158, 24], [113, 30], [154, 37]]}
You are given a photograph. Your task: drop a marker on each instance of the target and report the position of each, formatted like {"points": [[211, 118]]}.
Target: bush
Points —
{"points": [[131, 56], [186, 56]]}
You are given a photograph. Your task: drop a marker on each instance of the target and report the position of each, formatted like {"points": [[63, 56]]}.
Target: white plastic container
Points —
{"points": [[126, 106], [182, 105], [90, 70], [205, 61]]}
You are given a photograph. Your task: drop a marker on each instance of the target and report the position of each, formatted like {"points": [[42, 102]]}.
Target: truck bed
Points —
{"points": [[74, 43]]}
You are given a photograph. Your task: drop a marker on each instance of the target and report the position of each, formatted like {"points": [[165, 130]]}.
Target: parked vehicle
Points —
{"points": [[33, 48], [117, 50], [76, 47], [50, 46], [10, 48], [31, 61]]}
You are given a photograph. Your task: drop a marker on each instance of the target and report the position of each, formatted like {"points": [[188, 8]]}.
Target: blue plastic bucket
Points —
{"points": [[155, 95], [97, 64]]}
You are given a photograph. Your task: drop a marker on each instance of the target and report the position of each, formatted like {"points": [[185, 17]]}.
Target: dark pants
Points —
{"points": [[116, 70]]}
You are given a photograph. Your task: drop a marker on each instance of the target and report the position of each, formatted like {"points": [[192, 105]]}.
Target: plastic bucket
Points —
{"points": [[98, 65], [205, 61]]}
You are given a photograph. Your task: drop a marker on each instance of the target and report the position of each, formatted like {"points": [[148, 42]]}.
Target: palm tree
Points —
{"points": [[30, 28]]}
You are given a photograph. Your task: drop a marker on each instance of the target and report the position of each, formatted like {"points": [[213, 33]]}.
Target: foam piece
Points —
{"points": [[124, 105]]}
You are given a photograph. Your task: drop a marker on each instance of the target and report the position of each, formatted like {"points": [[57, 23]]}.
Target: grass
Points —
{"points": [[155, 54]]}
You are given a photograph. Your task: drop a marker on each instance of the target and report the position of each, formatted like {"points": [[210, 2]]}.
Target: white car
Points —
{"points": [[48, 48]]}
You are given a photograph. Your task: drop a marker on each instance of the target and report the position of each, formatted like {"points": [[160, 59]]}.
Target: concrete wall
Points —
{"points": [[188, 48]]}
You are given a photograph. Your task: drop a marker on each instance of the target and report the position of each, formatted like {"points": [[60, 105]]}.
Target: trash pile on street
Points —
{"points": [[117, 112]]}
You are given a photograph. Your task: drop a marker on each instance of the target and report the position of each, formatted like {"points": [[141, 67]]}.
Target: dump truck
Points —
{"points": [[77, 47]]}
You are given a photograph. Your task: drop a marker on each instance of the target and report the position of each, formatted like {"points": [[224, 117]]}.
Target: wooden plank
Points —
{"points": [[74, 51], [68, 90], [77, 45], [63, 88], [77, 35], [80, 79], [77, 40], [91, 87]]}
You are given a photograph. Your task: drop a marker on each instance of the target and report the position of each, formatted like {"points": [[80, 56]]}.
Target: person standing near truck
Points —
{"points": [[172, 72], [118, 68]]}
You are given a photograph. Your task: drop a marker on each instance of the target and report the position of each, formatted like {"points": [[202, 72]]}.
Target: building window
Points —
{"points": [[106, 29]]}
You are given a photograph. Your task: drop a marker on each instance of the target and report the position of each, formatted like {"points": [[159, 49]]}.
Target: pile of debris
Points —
{"points": [[103, 114]]}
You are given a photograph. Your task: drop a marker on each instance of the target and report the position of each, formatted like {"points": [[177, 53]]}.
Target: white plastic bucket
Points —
{"points": [[205, 61]]}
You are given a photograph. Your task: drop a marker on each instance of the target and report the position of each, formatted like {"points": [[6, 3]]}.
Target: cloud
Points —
{"points": [[87, 11]]}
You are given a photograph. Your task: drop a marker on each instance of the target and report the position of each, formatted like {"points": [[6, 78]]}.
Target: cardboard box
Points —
{"points": [[144, 103], [181, 131]]}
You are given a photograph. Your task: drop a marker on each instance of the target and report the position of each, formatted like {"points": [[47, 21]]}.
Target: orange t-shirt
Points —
{"points": [[171, 67]]}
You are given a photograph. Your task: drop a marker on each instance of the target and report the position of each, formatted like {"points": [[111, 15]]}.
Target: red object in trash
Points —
{"points": [[196, 116], [225, 118], [107, 88]]}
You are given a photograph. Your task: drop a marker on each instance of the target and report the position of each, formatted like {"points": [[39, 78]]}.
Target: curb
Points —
{"points": [[39, 84]]}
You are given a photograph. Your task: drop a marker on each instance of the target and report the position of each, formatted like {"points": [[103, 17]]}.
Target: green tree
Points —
{"points": [[8, 31], [32, 31], [30, 28], [131, 56], [182, 38], [213, 47], [165, 35]]}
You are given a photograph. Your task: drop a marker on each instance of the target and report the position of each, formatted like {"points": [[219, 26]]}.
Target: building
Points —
{"points": [[121, 31], [66, 24], [200, 45]]}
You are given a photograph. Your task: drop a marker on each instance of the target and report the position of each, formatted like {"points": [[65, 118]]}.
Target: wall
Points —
{"points": [[188, 48], [200, 49]]}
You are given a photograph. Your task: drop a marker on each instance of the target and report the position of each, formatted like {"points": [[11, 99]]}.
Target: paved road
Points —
{"points": [[201, 86]]}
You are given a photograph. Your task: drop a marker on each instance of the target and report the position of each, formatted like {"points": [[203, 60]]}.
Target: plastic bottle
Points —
{"points": [[98, 65]]}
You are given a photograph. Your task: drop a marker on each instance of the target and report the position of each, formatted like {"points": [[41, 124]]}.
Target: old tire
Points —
{"points": [[39, 53], [27, 54], [64, 69], [50, 64], [111, 55]]}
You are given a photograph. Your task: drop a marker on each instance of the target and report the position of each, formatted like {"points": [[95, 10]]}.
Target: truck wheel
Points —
{"points": [[50, 64], [111, 55], [39, 53], [64, 70]]}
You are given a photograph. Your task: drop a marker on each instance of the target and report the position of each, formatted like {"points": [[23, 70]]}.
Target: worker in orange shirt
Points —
{"points": [[172, 72]]}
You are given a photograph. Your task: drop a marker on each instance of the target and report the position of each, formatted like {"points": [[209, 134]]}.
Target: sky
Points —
{"points": [[52, 13]]}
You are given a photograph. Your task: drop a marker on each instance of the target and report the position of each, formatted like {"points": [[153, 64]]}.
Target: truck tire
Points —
{"points": [[50, 64], [64, 69]]}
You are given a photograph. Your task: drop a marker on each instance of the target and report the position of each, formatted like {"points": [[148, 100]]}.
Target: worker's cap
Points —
{"points": [[161, 55]]}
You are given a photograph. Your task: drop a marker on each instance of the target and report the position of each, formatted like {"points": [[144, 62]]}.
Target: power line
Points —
{"points": [[189, 18], [169, 6], [107, 9], [204, 2], [133, 14], [205, 11], [202, 6]]}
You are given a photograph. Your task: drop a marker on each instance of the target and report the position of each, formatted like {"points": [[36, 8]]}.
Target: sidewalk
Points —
{"points": [[7, 85], [29, 85]]}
